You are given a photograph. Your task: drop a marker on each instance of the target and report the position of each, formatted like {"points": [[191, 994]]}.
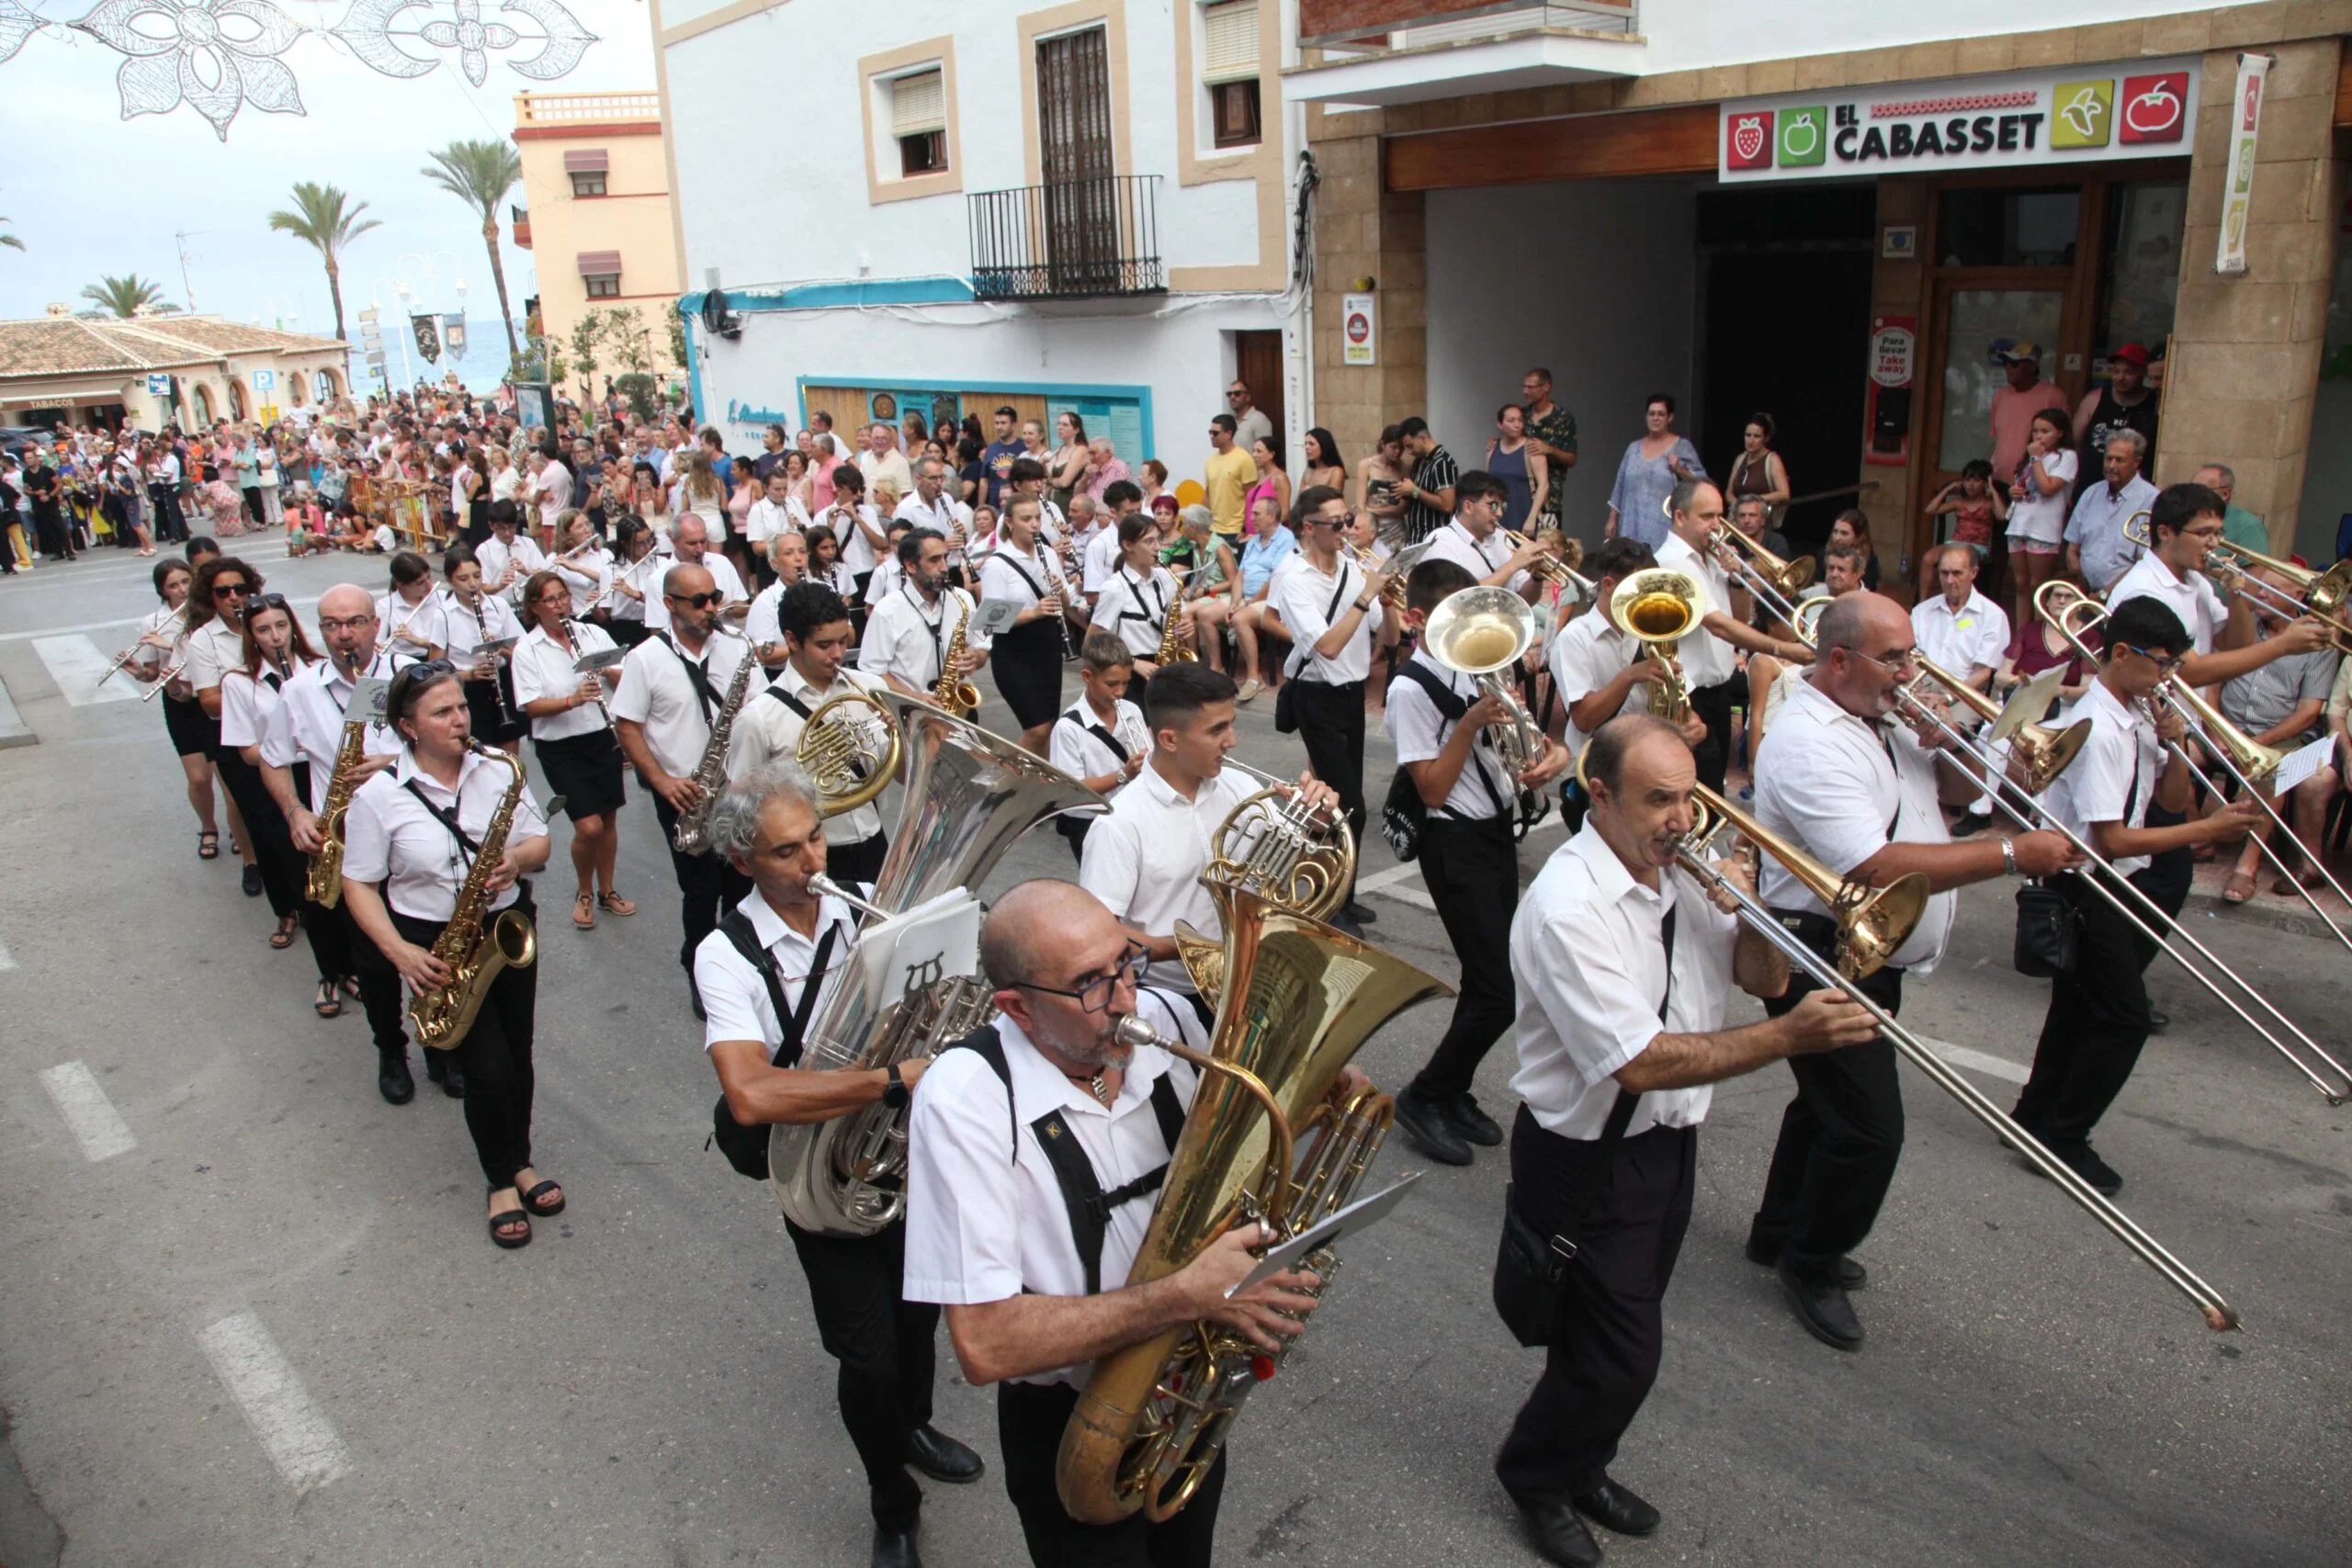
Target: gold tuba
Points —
{"points": [[849, 748], [1660, 606], [324, 887], [1304, 998], [473, 953]]}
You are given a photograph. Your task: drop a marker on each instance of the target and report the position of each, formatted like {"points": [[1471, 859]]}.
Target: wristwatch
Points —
{"points": [[894, 1093]]}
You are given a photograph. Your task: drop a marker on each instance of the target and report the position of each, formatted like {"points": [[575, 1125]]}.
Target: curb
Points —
{"points": [[14, 730]]}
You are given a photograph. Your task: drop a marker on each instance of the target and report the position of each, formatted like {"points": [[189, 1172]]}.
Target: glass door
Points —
{"points": [[1977, 323]]}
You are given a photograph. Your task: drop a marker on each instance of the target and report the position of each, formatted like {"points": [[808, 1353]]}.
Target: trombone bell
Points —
{"points": [[1873, 923]]}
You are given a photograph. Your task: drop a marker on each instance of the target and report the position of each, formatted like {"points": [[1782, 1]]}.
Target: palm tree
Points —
{"points": [[479, 173], [323, 221], [8, 239], [125, 296]]}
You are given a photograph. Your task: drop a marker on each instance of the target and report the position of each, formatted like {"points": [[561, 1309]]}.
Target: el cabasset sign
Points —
{"points": [[2031, 118]]}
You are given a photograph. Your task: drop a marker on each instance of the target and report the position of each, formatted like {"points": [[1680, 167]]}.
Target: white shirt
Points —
{"points": [[1135, 608], [1420, 732], [390, 836], [466, 635], [495, 555], [1587, 654], [2191, 598], [907, 639], [2097, 527], [645, 575], [886, 576], [735, 998], [1975, 634], [1305, 597], [656, 692], [543, 668], [1587, 957], [2114, 777], [857, 550], [248, 703], [768, 730], [892, 465], [1825, 779], [410, 629], [586, 574], [168, 621], [551, 488], [1101, 559], [766, 520], [1706, 659], [1007, 573], [1145, 859], [307, 723], [1074, 747], [213, 649], [2043, 518], [985, 1216], [723, 577], [764, 623], [1480, 558]]}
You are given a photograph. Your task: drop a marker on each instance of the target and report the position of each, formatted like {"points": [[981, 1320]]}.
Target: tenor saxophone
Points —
{"points": [[692, 835], [326, 884], [474, 952], [954, 692]]}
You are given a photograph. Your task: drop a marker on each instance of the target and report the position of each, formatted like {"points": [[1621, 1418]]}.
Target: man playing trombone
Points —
{"points": [[1623, 965], [1706, 651]]}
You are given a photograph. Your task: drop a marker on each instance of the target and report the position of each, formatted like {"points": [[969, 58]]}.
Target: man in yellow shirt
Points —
{"points": [[1228, 476]]}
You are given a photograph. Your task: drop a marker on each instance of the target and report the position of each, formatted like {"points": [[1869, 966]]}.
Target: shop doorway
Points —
{"points": [[1257, 365]]}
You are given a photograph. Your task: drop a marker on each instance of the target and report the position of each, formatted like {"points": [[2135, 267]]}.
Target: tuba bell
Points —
{"points": [[1304, 998], [1297, 857], [1660, 606]]}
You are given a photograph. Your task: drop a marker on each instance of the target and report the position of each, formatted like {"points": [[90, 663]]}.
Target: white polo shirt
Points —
{"points": [[1305, 598], [1480, 558], [543, 668], [1706, 659], [213, 649], [907, 639], [1975, 634], [465, 634], [1145, 859], [985, 1216], [1588, 959], [734, 997], [1587, 655], [2114, 777], [1421, 733], [1831, 783], [308, 724], [410, 629], [723, 578], [390, 838], [1074, 747], [248, 704], [1135, 608], [768, 730], [2191, 598], [657, 692]]}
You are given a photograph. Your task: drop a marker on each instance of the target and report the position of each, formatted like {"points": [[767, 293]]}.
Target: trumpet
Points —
{"points": [[2322, 595], [1659, 605], [1482, 632], [1393, 593]]}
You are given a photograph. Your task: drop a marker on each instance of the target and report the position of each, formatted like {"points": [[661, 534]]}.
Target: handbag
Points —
{"points": [[1286, 699], [2046, 929]]}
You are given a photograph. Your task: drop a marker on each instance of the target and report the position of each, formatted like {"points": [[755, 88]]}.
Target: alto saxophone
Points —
{"points": [[325, 886], [1173, 649], [692, 834], [954, 692], [473, 953]]}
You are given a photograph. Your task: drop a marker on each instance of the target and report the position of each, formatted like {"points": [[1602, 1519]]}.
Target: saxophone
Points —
{"points": [[954, 692], [1175, 650], [325, 887], [474, 956], [692, 834]]}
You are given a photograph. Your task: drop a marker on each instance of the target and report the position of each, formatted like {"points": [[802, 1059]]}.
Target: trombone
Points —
{"points": [[1776, 582], [1557, 566], [2322, 595]]}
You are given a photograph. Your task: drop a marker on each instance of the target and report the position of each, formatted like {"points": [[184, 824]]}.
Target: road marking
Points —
{"points": [[79, 669], [1977, 1061], [293, 1430], [7, 958], [89, 1112]]}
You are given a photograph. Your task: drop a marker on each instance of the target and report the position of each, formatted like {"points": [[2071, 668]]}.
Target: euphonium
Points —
{"points": [[1660, 606], [849, 748], [954, 692], [474, 952], [1304, 998], [692, 834], [325, 882], [1299, 857], [1482, 632]]}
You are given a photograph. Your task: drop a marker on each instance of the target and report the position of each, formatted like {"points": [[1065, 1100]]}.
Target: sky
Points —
{"points": [[106, 196]]}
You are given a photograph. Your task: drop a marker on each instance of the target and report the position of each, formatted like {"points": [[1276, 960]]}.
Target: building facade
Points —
{"points": [[598, 219], [1837, 213], [1082, 207], [149, 371]]}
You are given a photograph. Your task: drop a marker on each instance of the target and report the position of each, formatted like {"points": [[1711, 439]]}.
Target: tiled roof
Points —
{"points": [[70, 345]]}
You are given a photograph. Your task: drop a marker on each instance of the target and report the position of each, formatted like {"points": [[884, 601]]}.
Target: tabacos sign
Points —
{"points": [[2082, 114]]}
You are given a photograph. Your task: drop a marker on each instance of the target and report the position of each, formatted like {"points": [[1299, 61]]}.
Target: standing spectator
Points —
{"points": [[1758, 471], [971, 474], [1428, 494], [2126, 403], [2014, 405], [552, 488], [1065, 469], [1249, 422], [999, 453], [1552, 432], [2097, 550], [1154, 478], [883, 460], [244, 461], [1512, 458], [1378, 478], [2239, 526], [820, 432], [41, 490], [1103, 468], [1272, 478], [1227, 477], [1324, 465], [1648, 474], [774, 445], [2043, 479]]}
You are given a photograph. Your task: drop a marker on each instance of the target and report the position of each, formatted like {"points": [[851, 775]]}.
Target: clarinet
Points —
{"points": [[599, 676], [481, 635], [1061, 590]]}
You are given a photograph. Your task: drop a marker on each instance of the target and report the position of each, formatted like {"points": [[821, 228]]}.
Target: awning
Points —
{"points": [[586, 161], [600, 264]]}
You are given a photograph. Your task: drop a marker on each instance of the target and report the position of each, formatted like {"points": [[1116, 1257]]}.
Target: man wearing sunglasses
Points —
{"points": [[1851, 773]]}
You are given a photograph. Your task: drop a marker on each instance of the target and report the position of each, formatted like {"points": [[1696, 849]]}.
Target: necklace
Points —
{"points": [[1095, 1085]]}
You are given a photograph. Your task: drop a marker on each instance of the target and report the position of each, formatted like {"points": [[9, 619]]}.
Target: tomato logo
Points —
{"points": [[2155, 109]]}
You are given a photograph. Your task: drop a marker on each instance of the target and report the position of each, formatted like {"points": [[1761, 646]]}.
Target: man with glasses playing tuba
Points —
{"points": [[763, 975], [1623, 966]]}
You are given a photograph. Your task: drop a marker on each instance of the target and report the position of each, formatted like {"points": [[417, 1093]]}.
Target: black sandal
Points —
{"points": [[350, 984], [208, 844], [531, 1199], [283, 937], [502, 1223], [327, 1005]]}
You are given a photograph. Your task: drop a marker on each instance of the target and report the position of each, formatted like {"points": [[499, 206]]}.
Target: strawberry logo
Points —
{"points": [[1747, 140]]}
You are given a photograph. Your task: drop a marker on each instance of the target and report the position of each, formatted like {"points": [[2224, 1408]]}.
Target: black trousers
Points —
{"points": [[884, 1347], [495, 1056], [1604, 1355], [1330, 723], [1029, 1422], [1713, 707], [1841, 1137], [379, 983], [2097, 1023], [707, 886], [283, 870], [1472, 872], [860, 861], [171, 523]]}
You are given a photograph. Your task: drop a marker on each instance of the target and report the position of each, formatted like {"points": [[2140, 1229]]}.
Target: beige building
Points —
{"points": [[598, 221], [156, 370]]}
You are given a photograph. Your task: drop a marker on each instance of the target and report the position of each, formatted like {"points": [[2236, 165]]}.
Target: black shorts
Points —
{"points": [[1027, 664], [585, 769], [194, 732]]}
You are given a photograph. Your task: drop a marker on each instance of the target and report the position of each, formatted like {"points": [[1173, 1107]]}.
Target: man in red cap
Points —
{"points": [[2126, 401]]}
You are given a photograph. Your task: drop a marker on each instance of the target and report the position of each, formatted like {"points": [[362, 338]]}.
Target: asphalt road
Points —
{"points": [[248, 1314]]}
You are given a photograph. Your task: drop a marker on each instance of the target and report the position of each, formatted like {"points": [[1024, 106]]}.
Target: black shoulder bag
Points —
{"points": [[2047, 924], [1286, 699], [1404, 813], [746, 1148]]}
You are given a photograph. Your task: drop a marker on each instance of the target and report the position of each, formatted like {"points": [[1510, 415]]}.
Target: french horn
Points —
{"points": [[850, 750]]}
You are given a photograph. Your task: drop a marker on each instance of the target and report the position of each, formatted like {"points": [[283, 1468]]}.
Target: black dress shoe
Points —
{"points": [[1461, 1114], [894, 1547], [253, 882], [2158, 1021], [1554, 1530], [1823, 1308], [1851, 1275], [391, 1077], [942, 1458], [453, 1081], [2103, 1178], [1361, 913], [1611, 1506], [1429, 1130]]}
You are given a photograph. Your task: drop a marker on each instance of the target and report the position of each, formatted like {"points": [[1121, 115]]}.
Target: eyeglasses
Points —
{"points": [[1094, 994], [695, 601], [1895, 662], [349, 624], [2165, 663]]}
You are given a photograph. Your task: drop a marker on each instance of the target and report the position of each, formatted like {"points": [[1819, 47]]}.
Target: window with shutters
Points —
{"points": [[587, 182], [919, 123], [1229, 72], [603, 285], [909, 97]]}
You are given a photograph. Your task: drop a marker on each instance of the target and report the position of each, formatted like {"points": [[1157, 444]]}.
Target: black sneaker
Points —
{"points": [[1461, 1114], [1360, 912], [1429, 1130]]}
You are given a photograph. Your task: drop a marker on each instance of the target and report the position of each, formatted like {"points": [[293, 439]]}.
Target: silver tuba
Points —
{"points": [[970, 795]]}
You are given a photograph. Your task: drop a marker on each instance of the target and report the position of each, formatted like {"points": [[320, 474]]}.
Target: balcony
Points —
{"points": [[1067, 240], [1398, 51], [521, 217], [545, 110]]}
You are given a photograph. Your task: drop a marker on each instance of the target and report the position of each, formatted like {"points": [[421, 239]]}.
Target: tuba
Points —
{"points": [[1481, 632], [970, 795], [1658, 606], [1304, 998], [475, 954], [324, 888], [849, 748]]}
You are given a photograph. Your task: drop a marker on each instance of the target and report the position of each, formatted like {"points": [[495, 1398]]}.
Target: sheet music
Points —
{"points": [[2301, 763]]}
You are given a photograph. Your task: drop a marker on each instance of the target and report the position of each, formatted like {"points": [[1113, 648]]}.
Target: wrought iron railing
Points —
{"points": [[1068, 238]]}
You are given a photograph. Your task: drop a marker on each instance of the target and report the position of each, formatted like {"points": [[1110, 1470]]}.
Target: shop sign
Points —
{"points": [[2237, 190], [1359, 330], [1894, 365], [159, 385], [2033, 120]]}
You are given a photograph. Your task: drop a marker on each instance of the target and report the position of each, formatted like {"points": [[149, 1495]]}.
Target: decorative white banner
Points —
{"points": [[2237, 191]]}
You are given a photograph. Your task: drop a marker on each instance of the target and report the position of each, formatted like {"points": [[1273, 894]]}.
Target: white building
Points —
{"points": [[952, 207]]}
